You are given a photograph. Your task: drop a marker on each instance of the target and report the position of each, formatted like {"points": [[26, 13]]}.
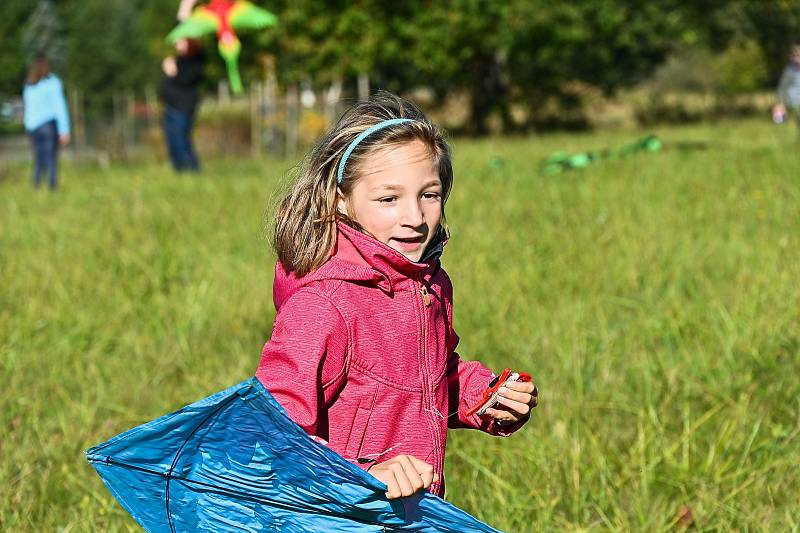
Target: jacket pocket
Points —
{"points": [[358, 430]]}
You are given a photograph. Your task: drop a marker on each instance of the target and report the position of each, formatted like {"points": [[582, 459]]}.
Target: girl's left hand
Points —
{"points": [[514, 403]]}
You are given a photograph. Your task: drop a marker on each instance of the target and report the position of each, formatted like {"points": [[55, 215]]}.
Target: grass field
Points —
{"points": [[655, 300]]}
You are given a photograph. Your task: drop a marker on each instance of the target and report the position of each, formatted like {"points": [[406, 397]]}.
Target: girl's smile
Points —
{"points": [[398, 198], [409, 245]]}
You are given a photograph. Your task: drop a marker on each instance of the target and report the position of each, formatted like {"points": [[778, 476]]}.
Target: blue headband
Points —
{"points": [[363, 135]]}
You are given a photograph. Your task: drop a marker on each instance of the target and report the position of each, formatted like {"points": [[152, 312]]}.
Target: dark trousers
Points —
{"points": [[44, 141], [178, 134]]}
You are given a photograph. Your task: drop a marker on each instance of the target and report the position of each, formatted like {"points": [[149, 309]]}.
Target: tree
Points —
{"points": [[43, 35], [106, 50], [13, 16], [464, 45]]}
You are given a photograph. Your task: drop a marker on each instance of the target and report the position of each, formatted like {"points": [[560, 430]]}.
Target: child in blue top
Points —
{"points": [[46, 119]]}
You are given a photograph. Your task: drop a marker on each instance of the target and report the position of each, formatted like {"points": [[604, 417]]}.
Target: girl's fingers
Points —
{"points": [[424, 470], [520, 386], [393, 488], [403, 483], [518, 399], [501, 415], [526, 393], [522, 408], [412, 471], [404, 475], [506, 392]]}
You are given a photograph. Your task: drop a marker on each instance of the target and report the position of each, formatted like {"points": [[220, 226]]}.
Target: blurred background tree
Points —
{"points": [[14, 15], [43, 35], [497, 54], [107, 51]]}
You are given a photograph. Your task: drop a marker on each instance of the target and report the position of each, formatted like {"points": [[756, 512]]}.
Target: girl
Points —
{"points": [[362, 353], [46, 119]]}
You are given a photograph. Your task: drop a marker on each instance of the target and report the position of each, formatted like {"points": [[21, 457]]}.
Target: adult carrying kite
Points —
{"points": [[225, 18], [236, 462]]}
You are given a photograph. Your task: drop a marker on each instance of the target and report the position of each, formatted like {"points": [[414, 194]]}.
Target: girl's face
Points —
{"points": [[398, 198]]}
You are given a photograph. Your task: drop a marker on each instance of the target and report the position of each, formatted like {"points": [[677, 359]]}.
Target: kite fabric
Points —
{"points": [[225, 18], [235, 461], [560, 162]]}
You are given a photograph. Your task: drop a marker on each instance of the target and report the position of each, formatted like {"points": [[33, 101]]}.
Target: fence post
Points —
{"points": [[75, 112], [129, 124], [363, 86], [270, 103], [332, 96], [117, 146], [223, 93], [256, 118], [271, 113], [151, 103], [292, 119]]}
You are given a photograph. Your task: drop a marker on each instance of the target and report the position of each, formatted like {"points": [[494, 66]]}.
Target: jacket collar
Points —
{"points": [[359, 248], [359, 257]]}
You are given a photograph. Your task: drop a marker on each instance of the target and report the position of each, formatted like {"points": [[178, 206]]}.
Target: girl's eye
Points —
{"points": [[431, 195], [387, 199]]}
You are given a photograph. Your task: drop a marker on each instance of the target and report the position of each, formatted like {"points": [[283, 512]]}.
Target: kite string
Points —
{"points": [[370, 456], [437, 413], [387, 450]]}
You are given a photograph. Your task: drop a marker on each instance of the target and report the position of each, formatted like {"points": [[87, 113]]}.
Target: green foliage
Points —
{"points": [[464, 45], [608, 44], [773, 25], [43, 34], [653, 298], [741, 68], [500, 54], [13, 16], [689, 70], [105, 38]]}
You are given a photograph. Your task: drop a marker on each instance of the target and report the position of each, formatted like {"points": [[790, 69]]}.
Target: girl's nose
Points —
{"points": [[412, 215]]}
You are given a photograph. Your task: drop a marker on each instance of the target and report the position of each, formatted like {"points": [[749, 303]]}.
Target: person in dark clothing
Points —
{"points": [[180, 95]]}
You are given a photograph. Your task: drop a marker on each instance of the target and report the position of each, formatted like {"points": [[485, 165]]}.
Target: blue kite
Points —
{"points": [[235, 461]]}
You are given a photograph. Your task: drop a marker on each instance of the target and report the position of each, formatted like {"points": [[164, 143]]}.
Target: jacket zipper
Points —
{"points": [[426, 297], [426, 393]]}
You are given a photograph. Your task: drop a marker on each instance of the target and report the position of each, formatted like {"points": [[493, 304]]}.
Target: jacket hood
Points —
{"points": [[358, 257]]}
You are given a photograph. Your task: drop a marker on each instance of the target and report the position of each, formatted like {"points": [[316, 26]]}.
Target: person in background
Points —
{"points": [[789, 88], [46, 119], [179, 93]]}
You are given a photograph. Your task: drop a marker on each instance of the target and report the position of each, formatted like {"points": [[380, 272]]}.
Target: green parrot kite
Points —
{"points": [[224, 17]]}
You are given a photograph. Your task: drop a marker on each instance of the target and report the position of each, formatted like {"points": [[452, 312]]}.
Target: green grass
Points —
{"points": [[655, 300]]}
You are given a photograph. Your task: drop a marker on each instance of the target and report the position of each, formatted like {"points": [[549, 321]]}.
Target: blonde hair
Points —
{"points": [[305, 225]]}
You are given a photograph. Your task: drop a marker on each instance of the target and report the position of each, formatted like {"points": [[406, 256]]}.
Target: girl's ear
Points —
{"points": [[341, 203]]}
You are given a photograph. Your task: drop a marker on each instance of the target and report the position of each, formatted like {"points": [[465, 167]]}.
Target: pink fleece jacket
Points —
{"points": [[362, 354]]}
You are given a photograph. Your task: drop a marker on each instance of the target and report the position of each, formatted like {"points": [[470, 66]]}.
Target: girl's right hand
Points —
{"points": [[404, 475]]}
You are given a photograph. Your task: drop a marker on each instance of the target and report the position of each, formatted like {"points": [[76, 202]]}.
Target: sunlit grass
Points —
{"points": [[655, 300]]}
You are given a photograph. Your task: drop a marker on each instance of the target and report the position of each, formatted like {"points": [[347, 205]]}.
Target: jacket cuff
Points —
{"points": [[501, 430]]}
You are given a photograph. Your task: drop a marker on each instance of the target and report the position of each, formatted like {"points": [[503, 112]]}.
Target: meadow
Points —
{"points": [[655, 299]]}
